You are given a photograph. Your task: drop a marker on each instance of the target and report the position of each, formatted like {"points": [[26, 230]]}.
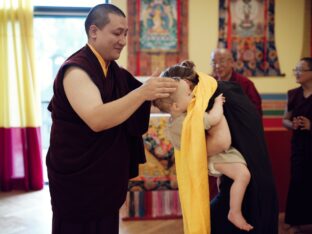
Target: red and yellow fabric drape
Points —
{"points": [[20, 141]]}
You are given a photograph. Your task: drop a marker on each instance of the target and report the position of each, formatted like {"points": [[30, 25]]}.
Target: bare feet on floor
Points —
{"points": [[238, 220]]}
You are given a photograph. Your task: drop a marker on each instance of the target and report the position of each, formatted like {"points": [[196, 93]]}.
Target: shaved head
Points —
{"points": [[222, 52], [99, 15], [222, 63]]}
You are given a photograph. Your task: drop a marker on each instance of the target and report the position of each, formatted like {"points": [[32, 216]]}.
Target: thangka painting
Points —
{"points": [[246, 27], [158, 37], [158, 25]]}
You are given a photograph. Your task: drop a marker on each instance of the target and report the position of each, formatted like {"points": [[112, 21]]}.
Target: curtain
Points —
{"points": [[20, 140]]}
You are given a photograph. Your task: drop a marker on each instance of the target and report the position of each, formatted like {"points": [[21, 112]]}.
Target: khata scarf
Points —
{"points": [[191, 161]]}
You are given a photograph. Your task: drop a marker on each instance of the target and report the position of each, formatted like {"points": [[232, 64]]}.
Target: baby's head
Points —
{"points": [[184, 70], [178, 101]]}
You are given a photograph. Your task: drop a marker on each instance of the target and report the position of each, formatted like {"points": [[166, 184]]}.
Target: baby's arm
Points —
{"points": [[215, 114], [218, 138]]}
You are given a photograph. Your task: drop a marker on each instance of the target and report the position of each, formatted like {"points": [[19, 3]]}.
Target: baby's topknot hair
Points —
{"points": [[187, 63], [185, 71]]}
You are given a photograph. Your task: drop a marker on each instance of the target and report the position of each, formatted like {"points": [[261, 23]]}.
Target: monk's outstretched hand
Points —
{"points": [[158, 87]]}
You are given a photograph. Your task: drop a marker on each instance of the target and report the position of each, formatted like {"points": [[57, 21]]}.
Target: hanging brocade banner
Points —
{"points": [[246, 27]]}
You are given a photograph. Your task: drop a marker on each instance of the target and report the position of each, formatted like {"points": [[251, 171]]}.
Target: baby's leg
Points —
{"points": [[240, 175], [218, 138]]}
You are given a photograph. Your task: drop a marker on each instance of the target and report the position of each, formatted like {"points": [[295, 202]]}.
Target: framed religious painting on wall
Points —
{"points": [[158, 36], [158, 25]]}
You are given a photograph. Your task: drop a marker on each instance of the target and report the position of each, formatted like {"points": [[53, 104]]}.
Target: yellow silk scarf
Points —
{"points": [[191, 161]]}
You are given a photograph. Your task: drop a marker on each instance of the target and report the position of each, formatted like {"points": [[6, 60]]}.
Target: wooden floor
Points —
{"points": [[30, 213]]}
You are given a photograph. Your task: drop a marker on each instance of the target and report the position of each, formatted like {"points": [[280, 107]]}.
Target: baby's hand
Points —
{"points": [[220, 99]]}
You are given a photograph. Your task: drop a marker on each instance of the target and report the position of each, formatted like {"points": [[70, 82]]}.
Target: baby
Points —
{"points": [[223, 159]]}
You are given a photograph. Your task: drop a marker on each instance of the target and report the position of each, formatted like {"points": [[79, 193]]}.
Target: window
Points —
{"points": [[68, 3], [59, 32]]}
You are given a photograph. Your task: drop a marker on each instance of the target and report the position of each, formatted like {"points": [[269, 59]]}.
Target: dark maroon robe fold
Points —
{"points": [[249, 89], [88, 171], [299, 203]]}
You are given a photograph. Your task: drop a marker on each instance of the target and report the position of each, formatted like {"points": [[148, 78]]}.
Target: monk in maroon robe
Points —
{"points": [[99, 113], [298, 118], [223, 70]]}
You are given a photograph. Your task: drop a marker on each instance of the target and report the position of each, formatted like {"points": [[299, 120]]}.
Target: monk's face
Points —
{"points": [[112, 38], [222, 65], [303, 72]]}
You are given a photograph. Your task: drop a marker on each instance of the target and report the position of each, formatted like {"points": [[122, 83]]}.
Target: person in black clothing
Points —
{"points": [[260, 204]]}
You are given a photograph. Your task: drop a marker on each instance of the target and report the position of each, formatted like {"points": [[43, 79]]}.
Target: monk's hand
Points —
{"points": [[304, 123], [295, 123], [158, 87]]}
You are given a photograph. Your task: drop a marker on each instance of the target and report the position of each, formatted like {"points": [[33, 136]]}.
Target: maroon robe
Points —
{"points": [[299, 203], [249, 89], [89, 171]]}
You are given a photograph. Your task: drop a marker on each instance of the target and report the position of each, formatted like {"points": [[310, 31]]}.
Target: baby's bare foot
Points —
{"points": [[238, 220]]}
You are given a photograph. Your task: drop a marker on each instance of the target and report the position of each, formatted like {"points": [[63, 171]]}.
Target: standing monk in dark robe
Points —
{"points": [[99, 113], [260, 205], [298, 118]]}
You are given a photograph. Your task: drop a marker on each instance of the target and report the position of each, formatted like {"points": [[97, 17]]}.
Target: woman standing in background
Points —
{"points": [[298, 118]]}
